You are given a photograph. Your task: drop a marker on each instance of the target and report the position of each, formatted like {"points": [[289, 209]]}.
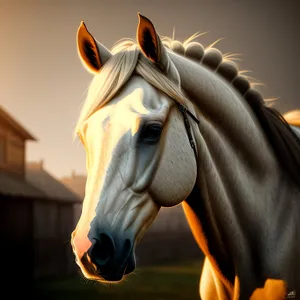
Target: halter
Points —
{"points": [[187, 124]]}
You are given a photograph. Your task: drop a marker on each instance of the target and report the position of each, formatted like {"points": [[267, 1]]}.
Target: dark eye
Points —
{"points": [[152, 132]]}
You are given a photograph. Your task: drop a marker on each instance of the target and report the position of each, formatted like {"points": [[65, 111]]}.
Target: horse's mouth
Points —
{"points": [[113, 272], [115, 276], [130, 265]]}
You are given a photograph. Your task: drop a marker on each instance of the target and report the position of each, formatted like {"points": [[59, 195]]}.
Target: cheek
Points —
{"points": [[176, 171]]}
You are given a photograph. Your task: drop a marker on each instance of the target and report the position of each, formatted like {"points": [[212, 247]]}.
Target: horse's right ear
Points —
{"points": [[92, 53], [150, 43]]}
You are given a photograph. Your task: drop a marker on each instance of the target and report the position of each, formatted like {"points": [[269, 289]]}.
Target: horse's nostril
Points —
{"points": [[102, 250]]}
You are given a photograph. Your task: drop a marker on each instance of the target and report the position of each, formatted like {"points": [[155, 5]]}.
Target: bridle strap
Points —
{"points": [[187, 124]]}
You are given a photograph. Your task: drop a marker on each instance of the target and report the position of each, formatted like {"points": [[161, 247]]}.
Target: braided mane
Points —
{"points": [[285, 142], [212, 58]]}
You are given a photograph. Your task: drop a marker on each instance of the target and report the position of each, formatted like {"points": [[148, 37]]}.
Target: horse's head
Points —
{"points": [[138, 153]]}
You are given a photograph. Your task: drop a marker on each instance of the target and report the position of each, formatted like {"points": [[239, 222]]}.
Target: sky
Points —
{"points": [[43, 83]]}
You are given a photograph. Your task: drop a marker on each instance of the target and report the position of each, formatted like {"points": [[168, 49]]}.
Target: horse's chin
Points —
{"points": [[130, 267], [116, 275]]}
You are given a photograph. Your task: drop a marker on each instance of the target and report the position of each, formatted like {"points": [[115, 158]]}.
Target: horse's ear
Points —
{"points": [[92, 53], [150, 43]]}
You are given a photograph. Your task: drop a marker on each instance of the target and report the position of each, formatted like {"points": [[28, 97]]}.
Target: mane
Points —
{"points": [[127, 60], [284, 141]]}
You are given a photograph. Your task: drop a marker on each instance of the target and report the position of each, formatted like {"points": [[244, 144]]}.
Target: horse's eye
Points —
{"points": [[152, 132]]}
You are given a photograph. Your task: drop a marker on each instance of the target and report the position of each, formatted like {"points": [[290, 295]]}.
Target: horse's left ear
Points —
{"points": [[151, 44], [92, 53]]}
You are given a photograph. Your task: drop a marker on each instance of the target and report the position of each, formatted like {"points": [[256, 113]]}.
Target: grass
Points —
{"points": [[157, 282]]}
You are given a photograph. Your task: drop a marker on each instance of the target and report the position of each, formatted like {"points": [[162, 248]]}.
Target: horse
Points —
{"points": [[167, 123]]}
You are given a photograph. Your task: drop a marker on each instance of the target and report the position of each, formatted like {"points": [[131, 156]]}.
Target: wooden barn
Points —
{"points": [[15, 201], [35, 224], [54, 221]]}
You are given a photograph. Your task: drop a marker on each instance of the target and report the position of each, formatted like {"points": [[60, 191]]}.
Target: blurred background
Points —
{"points": [[42, 171]]}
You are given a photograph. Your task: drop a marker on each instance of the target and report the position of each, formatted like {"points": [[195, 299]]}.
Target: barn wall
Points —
{"points": [[16, 249], [52, 231], [170, 220], [12, 150], [35, 237], [77, 213]]}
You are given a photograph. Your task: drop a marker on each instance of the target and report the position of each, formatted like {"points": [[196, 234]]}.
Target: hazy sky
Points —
{"points": [[42, 81]]}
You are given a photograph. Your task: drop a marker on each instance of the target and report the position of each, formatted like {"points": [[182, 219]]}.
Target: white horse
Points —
{"points": [[166, 123]]}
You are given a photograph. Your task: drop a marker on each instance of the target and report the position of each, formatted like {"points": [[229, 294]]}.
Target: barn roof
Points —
{"points": [[76, 183], [37, 176], [18, 128], [15, 185]]}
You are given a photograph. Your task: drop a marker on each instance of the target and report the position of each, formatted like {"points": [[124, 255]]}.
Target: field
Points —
{"points": [[159, 283]]}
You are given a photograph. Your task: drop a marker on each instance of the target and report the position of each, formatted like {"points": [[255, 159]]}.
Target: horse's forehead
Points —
{"points": [[136, 99], [139, 94]]}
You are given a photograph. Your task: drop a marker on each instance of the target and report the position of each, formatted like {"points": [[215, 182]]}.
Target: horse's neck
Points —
{"points": [[229, 130], [238, 174]]}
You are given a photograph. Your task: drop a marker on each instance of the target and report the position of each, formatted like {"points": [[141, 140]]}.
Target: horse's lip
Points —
{"points": [[115, 273], [118, 276], [129, 269], [130, 264], [113, 277]]}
